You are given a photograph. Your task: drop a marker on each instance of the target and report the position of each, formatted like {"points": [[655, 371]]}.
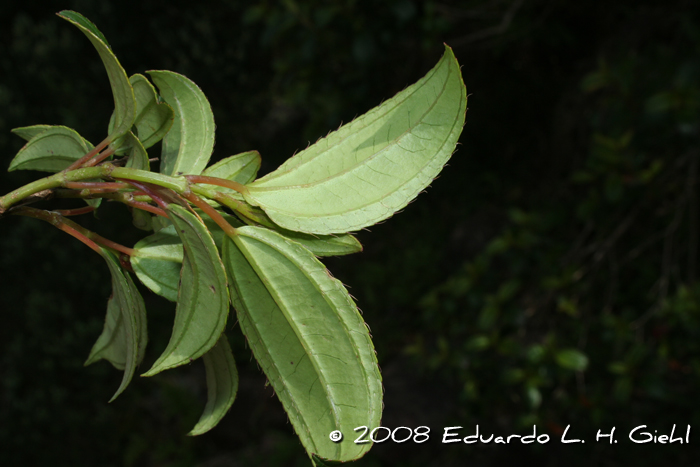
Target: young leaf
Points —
{"points": [[132, 327], [375, 165], [124, 100], [188, 145], [158, 257], [222, 385], [241, 168], [309, 338], [50, 150], [158, 261], [153, 119], [202, 302]]}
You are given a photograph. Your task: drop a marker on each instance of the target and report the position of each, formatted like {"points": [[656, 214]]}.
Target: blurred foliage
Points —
{"points": [[549, 277]]}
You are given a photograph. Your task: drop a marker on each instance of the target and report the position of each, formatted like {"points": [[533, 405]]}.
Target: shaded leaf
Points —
{"points": [[308, 336], [124, 100], [124, 337], [51, 150], [188, 145], [202, 302], [373, 166], [222, 385], [572, 359]]}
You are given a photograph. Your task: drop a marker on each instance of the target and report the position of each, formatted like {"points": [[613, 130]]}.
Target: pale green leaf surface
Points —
{"points": [[29, 132], [158, 260], [202, 302], [133, 322], [124, 100], [373, 166], [308, 336], [222, 385], [158, 257], [51, 150], [188, 145], [153, 119], [241, 168]]}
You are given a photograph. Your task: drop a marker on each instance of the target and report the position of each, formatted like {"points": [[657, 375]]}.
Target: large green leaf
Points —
{"points": [[124, 100], [222, 385], [375, 165], [188, 145], [309, 338], [202, 302], [124, 337], [50, 150], [241, 168]]}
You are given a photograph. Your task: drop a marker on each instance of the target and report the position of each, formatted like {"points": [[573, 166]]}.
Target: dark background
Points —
{"points": [[548, 277]]}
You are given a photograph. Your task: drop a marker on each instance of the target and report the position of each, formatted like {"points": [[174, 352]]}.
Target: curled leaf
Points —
{"points": [[124, 100], [188, 145], [202, 301], [222, 385], [124, 337]]}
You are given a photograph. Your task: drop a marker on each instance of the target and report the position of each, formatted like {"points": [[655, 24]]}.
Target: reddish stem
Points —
{"points": [[104, 155], [146, 207], [213, 213], [81, 233], [76, 211], [217, 181], [88, 156], [147, 189]]}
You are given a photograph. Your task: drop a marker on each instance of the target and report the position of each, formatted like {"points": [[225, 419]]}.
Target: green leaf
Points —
{"points": [[158, 260], [241, 168], [29, 132], [188, 145], [202, 302], [51, 150], [153, 118], [124, 100], [84, 24], [124, 337], [309, 338], [572, 359], [222, 385], [319, 245], [373, 166]]}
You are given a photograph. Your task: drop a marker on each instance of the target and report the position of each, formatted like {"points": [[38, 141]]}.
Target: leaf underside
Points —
{"points": [[222, 385], [124, 100], [375, 165], [308, 336], [188, 145], [124, 337], [49, 148], [202, 302]]}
